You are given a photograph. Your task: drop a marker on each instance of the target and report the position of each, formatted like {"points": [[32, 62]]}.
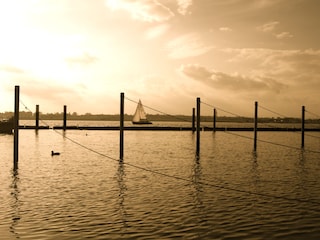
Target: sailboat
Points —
{"points": [[140, 116]]}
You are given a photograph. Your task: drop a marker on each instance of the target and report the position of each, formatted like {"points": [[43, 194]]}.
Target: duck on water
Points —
{"points": [[54, 153]]}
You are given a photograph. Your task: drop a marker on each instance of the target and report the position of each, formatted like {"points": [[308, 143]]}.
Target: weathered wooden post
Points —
{"points": [[214, 119], [255, 125], [193, 119], [121, 124], [302, 126], [198, 127], [16, 128], [37, 117], [64, 117]]}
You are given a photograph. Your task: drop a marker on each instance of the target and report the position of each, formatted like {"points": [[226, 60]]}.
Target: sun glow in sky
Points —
{"points": [[165, 52]]}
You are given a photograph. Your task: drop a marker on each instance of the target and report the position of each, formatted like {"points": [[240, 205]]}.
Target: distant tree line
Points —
{"points": [[152, 117]]}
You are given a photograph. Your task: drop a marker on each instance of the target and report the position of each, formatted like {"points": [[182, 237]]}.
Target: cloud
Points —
{"points": [[157, 31], [268, 27], [299, 70], [41, 91], [51, 95], [183, 6], [11, 69], [84, 59], [188, 45], [143, 10], [232, 82], [225, 29], [276, 62], [265, 3], [283, 35]]}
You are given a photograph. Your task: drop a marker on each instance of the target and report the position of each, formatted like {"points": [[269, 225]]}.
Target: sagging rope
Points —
{"points": [[204, 183]]}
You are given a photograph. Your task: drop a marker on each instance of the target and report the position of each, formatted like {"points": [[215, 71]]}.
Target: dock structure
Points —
{"points": [[195, 124], [196, 120], [175, 128]]}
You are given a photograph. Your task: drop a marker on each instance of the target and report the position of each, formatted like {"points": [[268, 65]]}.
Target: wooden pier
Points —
{"points": [[171, 128], [198, 127]]}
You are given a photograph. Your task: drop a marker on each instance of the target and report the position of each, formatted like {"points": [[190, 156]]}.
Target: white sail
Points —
{"points": [[140, 115]]}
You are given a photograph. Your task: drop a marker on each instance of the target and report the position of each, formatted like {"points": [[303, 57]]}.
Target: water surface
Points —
{"points": [[160, 190]]}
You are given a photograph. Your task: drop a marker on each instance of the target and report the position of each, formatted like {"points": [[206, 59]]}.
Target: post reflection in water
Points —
{"points": [[196, 176], [302, 159], [15, 203], [302, 173], [255, 169], [122, 191], [197, 184]]}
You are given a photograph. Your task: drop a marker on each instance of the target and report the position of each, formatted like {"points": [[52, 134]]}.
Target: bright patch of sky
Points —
{"points": [[165, 52]]}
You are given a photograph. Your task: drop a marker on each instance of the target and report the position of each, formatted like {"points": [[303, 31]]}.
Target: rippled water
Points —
{"points": [[161, 190]]}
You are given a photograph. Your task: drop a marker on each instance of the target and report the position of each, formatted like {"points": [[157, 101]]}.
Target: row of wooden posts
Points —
{"points": [[195, 119]]}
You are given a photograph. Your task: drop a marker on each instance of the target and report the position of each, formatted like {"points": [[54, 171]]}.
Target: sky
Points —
{"points": [[230, 53]]}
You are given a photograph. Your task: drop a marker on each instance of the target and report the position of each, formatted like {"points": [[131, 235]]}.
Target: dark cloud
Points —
{"points": [[197, 72], [291, 66], [231, 82]]}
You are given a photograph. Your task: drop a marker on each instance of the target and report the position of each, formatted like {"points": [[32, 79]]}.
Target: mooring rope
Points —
{"points": [[272, 111], [42, 121], [158, 111], [228, 132], [273, 143], [205, 183], [25, 106], [314, 114], [306, 134], [209, 105], [259, 140], [269, 110]]}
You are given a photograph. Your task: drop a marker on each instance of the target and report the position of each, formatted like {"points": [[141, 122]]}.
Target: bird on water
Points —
{"points": [[54, 153]]}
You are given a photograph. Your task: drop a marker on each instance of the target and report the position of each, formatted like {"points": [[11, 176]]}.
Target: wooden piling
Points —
{"points": [[214, 119], [64, 117], [193, 120], [16, 128], [255, 125], [198, 128], [37, 117], [121, 124], [302, 126]]}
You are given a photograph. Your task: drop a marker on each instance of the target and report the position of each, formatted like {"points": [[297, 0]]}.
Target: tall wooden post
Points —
{"points": [[255, 125], [302, 126], [214, 119], [193, 119], [121, 124], [16, 128], [37, 117], [64, 117], [198, 127]]}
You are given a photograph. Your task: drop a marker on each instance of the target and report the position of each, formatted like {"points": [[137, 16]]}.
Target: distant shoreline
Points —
{"points": [[156, 117], [168, 128]]}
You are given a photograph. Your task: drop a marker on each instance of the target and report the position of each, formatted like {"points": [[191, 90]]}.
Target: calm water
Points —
{"points": [[160, 191], [52, 123]]}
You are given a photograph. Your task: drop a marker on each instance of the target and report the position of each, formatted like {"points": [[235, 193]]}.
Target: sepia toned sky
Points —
{"points": [[230, 53]]}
